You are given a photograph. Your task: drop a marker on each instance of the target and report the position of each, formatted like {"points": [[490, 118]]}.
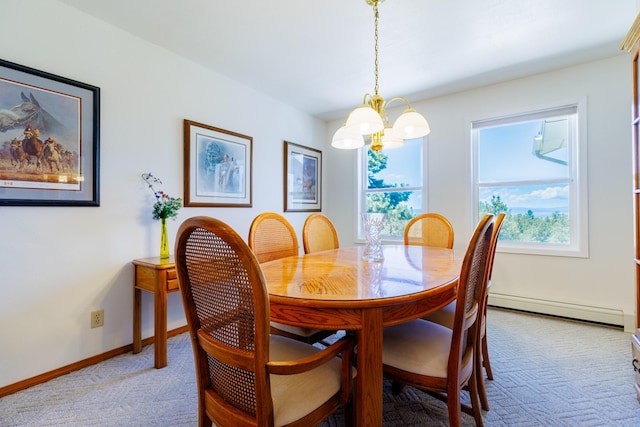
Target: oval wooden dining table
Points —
{"points": [[338, 290]]}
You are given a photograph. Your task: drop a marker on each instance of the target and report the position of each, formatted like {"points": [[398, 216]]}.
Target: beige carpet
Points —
{"points": [[548, 372]]}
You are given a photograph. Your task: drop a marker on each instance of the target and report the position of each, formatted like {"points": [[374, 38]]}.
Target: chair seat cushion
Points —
{"points": [[295, 396], [303, 332], [444, 316], [418, 346]]}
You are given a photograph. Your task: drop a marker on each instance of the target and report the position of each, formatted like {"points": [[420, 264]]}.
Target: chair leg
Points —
{"points": [[204, 420], [482, 391], [485, 357], [475, 401], [453, 406], [396, 387], [349, 414]]}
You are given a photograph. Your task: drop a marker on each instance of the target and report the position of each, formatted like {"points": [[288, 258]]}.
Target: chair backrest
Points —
{"points": [[319, 234], [429, 229], [470, 294], [271, 237], [482, 310], [492, 253], [494, 242], [227, 309]]}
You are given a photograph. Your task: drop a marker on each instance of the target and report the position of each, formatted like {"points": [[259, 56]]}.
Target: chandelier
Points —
{"points": [[371, 117]]}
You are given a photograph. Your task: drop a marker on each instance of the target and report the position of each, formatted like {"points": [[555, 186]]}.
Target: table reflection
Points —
{"points": [[341, 274]]}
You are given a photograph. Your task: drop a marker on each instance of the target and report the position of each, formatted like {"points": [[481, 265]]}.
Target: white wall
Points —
{"points": [[599, 288], [59, 263]]}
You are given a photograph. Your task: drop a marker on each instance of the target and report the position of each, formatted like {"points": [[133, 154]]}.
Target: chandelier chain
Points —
{"points": [[375, 9]]}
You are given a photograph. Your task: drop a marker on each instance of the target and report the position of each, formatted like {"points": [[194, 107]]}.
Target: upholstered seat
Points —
{"points": [[293, 397]]}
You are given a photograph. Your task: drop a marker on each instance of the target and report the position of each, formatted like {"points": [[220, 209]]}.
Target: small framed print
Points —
{"points": [[302, 178], [217, 167]]}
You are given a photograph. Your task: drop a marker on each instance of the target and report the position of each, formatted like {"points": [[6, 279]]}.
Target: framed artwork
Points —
{"points": [[49, 139], [302, 178], [217, 167]]}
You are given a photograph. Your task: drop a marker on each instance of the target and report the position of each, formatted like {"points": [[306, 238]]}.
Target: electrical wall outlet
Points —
{"points": [[97, 318]]}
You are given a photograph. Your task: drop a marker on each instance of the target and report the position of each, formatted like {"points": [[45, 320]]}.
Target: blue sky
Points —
{"points": [[505, 153], [404, 164]]}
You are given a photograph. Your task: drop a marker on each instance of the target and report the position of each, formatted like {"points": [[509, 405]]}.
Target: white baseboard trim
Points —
{"points": [[573, 311]]}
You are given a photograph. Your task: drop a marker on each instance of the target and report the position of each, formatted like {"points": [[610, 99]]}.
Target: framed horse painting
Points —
{"points": [[49, 139]]}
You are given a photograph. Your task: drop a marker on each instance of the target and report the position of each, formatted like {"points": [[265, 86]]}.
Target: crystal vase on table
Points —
{"points": [[373, 223]]}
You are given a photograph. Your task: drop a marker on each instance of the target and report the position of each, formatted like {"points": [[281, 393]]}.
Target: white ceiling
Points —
{"points": [[319, 55]]}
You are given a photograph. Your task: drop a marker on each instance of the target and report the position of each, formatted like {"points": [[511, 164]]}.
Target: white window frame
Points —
{"points": [[578, 185], [362, 190]]}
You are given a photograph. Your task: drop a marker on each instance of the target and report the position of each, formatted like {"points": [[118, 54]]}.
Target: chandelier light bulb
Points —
{"points": [[347, 139], [411, 125], [365, 120], [390, 139]]}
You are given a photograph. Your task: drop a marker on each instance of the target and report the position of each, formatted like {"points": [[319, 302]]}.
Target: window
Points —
{"points": [[390, 181], [529, 166]]}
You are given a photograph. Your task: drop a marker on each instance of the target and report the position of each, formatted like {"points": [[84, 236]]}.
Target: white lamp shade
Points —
{"points": [[365, 120], [411, 125], [390, 140], [347, 139]]}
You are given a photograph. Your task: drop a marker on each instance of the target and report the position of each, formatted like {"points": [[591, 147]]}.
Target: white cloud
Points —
{"points": [[551, 193], [538, 195]]}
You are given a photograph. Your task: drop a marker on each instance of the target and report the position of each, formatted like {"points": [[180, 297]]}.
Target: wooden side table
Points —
{"points": [[159, 277]]}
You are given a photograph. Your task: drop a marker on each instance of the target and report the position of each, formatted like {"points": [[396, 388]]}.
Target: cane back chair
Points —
{"points": [[439, 360], [445, 317], [429, 229], [319, 234], [245, 376]]}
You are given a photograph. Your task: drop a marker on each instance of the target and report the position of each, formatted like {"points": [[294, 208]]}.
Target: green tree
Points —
{"points": [[390, 202], [493, 207], [527, 227]]}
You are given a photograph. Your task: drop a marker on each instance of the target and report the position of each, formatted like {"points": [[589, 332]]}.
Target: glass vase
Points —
{"points": [[372, 228], [164, 239]]}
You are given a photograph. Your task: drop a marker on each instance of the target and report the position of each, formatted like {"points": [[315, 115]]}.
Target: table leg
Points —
{"points": [[137, 320], [160, 328], [368, 404]]}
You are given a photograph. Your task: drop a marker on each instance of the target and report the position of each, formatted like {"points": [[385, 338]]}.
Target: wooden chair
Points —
{"points": [[272, 237], [429, 229], [437, 359], [446, 315], [482, 358], [246, 377], [319, 234]]}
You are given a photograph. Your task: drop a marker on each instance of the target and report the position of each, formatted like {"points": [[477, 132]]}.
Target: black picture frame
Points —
{"points": [[49, 139]]}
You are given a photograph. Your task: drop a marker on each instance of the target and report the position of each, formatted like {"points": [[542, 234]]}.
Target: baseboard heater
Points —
{"points": [[573, 311]]}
